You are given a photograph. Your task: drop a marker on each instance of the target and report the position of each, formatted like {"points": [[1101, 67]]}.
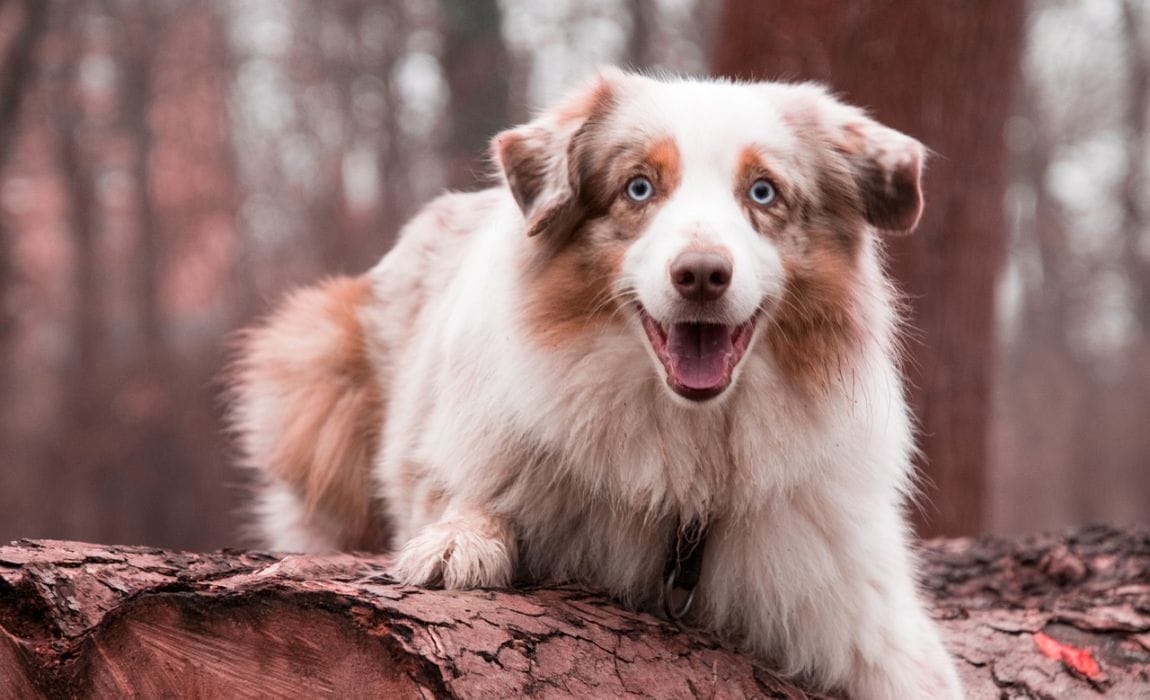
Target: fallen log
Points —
{"points": [[1048, 616]]}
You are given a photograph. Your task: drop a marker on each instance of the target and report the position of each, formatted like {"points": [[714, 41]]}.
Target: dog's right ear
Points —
{"points": [[538, 159]]}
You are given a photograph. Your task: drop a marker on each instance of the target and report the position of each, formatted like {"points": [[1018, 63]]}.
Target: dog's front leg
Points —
{"points": [[912, 662], [896, 649], [834, 601], [468, 547]]}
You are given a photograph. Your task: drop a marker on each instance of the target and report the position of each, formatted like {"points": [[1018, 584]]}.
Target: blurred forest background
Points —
{"points": [[169, 167]]}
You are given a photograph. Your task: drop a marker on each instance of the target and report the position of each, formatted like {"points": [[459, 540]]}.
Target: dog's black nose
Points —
{"points": [[701, 275]]}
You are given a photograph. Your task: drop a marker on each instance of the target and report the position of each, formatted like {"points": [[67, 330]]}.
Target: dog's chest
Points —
{"points": [[605, 510], [563, 539]]}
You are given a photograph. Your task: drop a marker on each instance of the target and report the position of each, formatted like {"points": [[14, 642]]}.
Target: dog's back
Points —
{"points": [[308, 389]]}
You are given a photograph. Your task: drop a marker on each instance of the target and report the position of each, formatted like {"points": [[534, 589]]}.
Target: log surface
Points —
{"points": [[1050, 616]]}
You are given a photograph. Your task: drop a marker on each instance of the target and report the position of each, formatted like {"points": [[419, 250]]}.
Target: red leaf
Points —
{"points": [[1077, 658]]}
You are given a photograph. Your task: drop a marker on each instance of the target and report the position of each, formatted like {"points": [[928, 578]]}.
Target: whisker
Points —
{"points": [[606, 297]]}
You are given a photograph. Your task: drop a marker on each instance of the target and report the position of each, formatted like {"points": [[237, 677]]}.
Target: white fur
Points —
{"points": [[575, 462]]}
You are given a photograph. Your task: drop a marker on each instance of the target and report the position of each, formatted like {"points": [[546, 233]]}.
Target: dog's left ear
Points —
{"points": [[538, 160], [887, 167]]}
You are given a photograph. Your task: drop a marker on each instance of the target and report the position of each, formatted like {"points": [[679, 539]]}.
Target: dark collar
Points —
{"points": [[683, 568]]}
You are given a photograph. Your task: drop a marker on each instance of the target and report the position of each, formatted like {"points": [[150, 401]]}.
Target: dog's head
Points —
{"points": [[702, 215]]}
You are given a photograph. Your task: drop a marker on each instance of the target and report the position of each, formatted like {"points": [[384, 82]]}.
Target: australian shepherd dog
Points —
{"points": [[659, 358]]}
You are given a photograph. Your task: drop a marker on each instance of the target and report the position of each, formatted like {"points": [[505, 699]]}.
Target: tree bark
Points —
{"points": [[1046, 616], [943, 72]]}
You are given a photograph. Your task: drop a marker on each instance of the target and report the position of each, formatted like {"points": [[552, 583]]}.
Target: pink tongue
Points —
{"points": [[699, 353]]}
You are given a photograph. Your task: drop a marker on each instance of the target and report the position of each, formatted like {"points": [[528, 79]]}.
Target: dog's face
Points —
{"points": [[705, 215]]}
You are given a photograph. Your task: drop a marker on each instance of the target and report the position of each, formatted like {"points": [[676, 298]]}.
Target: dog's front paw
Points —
{"points": [[925, 671], [473, 552]]}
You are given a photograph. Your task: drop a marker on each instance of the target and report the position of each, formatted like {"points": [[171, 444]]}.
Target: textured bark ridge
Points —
{"points": [[1042, 617]]}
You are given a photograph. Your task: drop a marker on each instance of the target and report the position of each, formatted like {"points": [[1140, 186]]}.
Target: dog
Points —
{"points": [[660, 358]]}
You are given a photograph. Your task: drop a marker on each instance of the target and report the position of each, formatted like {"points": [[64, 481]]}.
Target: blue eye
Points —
{"points": [[640, 189], [762, 192]]}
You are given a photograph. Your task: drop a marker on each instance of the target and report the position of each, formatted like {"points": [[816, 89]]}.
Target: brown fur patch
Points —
{"points": [[883, 165], [573, 287], [523, 165], [543, 182], [664, 159], [821, 201], [309, 407], [818, 227], [572, 294], [753, 165], [603, 168], [888, 169], [815, 329]]}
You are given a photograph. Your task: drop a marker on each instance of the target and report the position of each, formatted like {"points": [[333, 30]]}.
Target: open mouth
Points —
{"points": [[700, 358]]}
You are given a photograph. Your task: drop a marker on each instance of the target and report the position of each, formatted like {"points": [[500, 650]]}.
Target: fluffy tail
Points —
{"points": [[307, 408]]}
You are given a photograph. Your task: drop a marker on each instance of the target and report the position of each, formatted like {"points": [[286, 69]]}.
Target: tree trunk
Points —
{"points": [[943, 72], [641, 38], [16, 77], [1133, 190], [478, 69], [1041, 617], [75, 463], [153, 365]]}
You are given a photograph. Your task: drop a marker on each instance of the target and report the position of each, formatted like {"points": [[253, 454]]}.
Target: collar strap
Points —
{"points": [[683, 568]]}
